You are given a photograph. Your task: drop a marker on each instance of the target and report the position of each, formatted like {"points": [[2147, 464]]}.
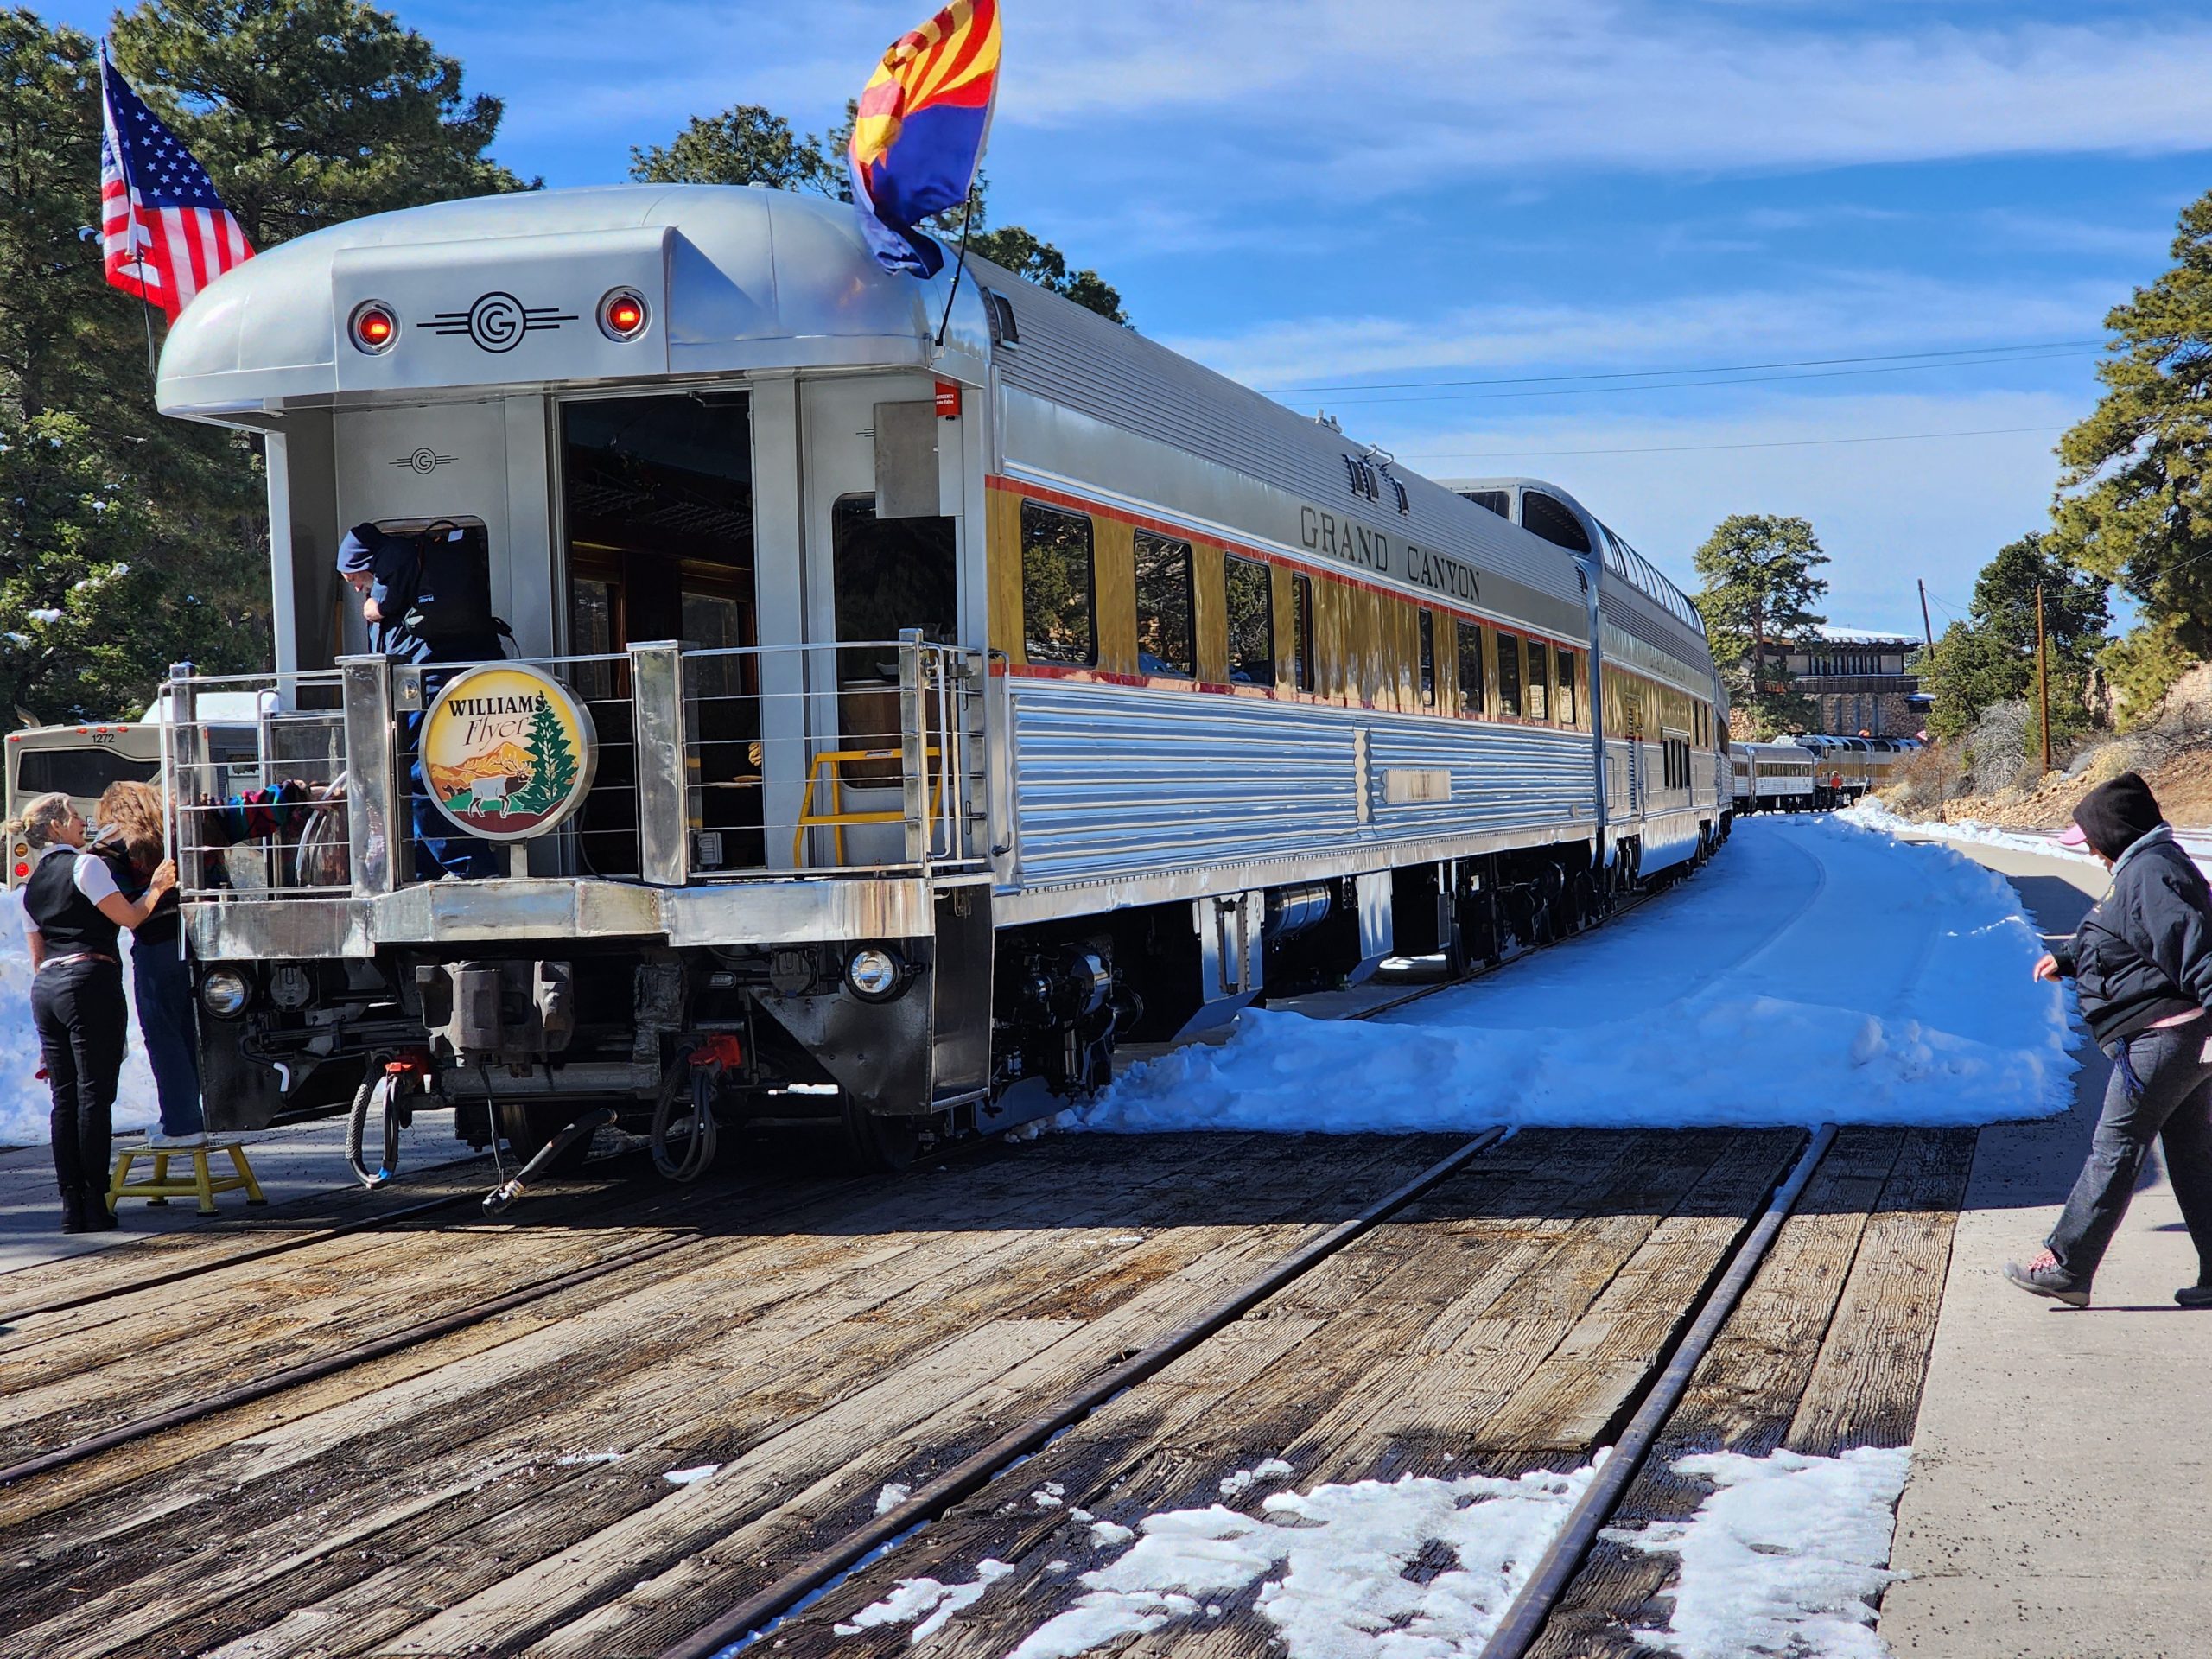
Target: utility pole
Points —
{"points": [[2042, 679], [1927, 629]]}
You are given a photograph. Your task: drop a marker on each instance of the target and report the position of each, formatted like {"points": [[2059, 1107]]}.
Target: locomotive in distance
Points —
{"points": [[960, 710]]}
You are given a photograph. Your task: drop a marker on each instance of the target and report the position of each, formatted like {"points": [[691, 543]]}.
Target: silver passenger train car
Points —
{"points": [[914, 693]]}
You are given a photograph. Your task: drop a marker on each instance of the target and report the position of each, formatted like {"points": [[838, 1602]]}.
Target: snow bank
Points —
{"points": [[1870, 814], [1813, 972], [1331, 1565], [24, 1101], [1787, 1558]]}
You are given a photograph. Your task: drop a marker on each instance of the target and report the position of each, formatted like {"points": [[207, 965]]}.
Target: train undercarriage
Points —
{"points": [[899, 1043]]}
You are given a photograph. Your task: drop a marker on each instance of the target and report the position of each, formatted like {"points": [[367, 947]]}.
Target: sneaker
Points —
{"points": [[2054, 1283], [2194, 1296], [156, 1138]]}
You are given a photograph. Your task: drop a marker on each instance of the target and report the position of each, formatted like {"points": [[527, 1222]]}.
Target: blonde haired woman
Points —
{"points": [[133, 837], [74, 916]]}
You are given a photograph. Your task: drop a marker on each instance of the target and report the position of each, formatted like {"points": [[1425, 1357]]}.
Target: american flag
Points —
{"points": [[164, 231]]}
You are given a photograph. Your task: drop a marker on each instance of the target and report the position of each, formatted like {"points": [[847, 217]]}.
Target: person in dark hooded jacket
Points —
{"points": [[2142, 963]]}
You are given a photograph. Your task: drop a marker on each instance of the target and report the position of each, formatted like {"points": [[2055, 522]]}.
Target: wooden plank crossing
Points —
{"points": [[504, 1490], [1497, 1326], [1826, 1352], [489, 1489]]}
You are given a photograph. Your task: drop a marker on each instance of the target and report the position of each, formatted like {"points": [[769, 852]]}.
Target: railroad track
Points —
{"points": [[754, 1561], [226, 1259]]}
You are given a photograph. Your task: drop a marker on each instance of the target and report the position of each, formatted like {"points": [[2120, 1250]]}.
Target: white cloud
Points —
{"points": [[1842, 312], [1919, 506], [1402, 92]]}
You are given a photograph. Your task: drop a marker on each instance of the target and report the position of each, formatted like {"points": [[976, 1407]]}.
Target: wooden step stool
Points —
{"points": [[200, 1184]]}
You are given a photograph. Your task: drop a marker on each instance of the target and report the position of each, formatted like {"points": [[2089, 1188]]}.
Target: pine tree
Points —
{"points": [[2134, 500], [552, 761], [1759, 591]]}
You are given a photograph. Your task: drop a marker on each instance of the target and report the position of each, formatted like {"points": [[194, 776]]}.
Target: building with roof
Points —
{"points": [[1857, 680]]}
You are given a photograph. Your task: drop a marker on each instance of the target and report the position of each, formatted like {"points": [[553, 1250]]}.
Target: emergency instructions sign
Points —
{"points": [[507, 752]]}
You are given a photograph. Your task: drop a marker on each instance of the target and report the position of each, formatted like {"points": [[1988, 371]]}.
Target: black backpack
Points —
{"points": [[440, 581]]}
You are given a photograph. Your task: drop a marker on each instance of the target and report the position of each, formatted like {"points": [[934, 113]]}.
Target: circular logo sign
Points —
{"points": [[507, 750]]}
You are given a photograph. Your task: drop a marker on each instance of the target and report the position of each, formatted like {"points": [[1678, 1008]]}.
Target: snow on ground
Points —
{"points": [[1871, 814], [1788, 1557], [24, 1100], [1331, 1566], [1815, 971]]}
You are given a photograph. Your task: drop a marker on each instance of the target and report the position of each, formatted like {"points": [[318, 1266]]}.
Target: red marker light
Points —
{"points": [[622, 313], [22, 870], [375, 327]]}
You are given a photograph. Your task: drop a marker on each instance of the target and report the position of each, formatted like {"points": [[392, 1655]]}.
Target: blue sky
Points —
{"points": [[1378, 196]]}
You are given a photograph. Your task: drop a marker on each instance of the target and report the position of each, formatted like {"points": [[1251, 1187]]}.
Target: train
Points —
{"points": [[1813, 771], [915, 688]]}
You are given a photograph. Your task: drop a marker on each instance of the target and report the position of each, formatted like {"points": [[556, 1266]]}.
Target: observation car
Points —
{"points": [[917, 687], [1773, 777]]}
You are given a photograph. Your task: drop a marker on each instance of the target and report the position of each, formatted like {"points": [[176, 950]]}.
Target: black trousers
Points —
{"points": [[82, 1019]]}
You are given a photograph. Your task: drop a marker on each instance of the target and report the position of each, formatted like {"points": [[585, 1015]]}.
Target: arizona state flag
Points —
{"points": [[918, 136]]}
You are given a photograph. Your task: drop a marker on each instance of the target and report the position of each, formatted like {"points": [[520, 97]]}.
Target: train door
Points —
{"points": [[658, 520], [881, 555]]}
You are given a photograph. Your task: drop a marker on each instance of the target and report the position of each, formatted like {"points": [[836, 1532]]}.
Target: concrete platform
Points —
{"points": [[292, 1162], [2060, 1505]]}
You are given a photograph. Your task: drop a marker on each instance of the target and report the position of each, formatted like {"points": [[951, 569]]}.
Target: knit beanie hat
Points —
{"points": [[2113, 817]]}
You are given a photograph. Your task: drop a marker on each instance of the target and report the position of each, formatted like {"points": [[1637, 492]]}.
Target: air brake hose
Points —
{"points": [[356, 1129], [704, 1067]]}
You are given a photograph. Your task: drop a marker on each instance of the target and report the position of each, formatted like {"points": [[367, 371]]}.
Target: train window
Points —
{"points": [[1553, 519], [1471, 667], [1428, 659], [1304, 672], [1566, 705], [1497, 501], [1251, 590], [1509, 676], [1167, 641], [1058, 613], [1537, 702]]}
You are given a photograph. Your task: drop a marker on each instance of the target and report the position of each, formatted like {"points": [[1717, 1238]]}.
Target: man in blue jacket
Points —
{"points": [[2142, 963], [426, 609]]}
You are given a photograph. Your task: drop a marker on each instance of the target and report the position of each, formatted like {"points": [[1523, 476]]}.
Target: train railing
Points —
{"points": [[711, 766]]}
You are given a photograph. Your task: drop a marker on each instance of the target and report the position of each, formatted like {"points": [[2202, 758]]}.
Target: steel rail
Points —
{"points": [[1530, 1610], [246, 1393], [823, 1568], [260, 1253]]}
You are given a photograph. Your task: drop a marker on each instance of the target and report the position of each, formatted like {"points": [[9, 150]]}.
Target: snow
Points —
{"points": [[690, 1476], [1871, 814], [24, 1099], [1267, 1469], [1331, 1567], [893, 1494], [1814, 972], [1787, 1558], [926, 1600]]}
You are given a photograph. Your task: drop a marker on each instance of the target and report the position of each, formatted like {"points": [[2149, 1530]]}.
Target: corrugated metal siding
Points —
{"points": [[1112, 781]]}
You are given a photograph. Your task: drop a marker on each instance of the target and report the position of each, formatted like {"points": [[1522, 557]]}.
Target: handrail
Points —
{"points": [[836, 820]]}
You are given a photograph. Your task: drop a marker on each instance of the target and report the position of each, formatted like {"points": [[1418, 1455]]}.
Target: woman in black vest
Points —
{"points": [[74, 917]]}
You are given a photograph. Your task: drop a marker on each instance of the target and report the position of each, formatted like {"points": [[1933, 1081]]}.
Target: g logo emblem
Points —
{"points": [[496, 323], [425, 461]]}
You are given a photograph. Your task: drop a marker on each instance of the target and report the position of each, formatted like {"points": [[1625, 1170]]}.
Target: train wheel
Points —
{"points": [[881, 1143], [528, 1125]]}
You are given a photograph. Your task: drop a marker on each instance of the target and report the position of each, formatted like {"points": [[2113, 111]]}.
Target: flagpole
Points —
{"points": [[959, 265], [130, 216]]}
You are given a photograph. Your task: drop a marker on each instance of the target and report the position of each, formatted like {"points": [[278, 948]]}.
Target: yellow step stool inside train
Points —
{"points": [[202, 1184]]}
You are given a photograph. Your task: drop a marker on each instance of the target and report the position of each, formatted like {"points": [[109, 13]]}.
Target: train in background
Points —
{"points": [[1813, 771], [916, 689]]}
